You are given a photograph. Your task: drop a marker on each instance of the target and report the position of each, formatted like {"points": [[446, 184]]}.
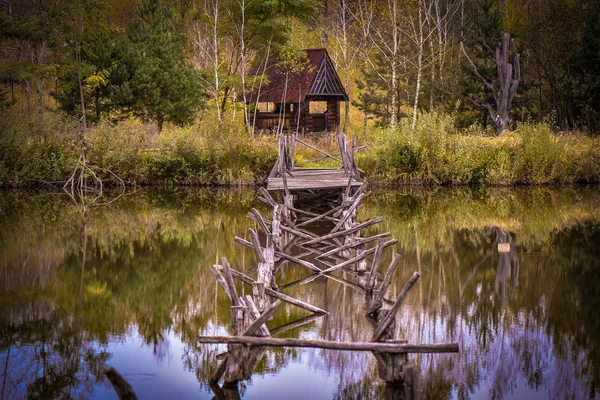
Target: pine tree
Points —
{"points": [[152, 77], [585, 73]]}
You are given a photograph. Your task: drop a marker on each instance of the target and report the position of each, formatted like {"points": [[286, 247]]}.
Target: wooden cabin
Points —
{"points": [[308, 102]]}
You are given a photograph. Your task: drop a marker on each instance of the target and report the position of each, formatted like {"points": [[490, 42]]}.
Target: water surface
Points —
{"points": [[128, 285]]}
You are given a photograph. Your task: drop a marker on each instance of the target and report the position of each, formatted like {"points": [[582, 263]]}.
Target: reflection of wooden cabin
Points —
{"points": [[315, 93]]}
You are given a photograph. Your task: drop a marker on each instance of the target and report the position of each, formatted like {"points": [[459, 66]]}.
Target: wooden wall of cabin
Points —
{"points": [[333, 115], [305, 118]]}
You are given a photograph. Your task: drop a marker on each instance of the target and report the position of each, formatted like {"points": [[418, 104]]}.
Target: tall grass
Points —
{"points": [[437, 153], [45, 149], [40, 150]]}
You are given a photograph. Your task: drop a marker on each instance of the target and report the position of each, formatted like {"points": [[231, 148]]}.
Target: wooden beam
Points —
{"points": [[255, 245], [391, 315], [277, 295], [374, 265], [383, 347], [347, 231], [258, 323], [354, 244], [357, 258]]}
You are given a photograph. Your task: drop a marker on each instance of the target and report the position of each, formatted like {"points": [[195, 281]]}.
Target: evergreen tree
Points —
{"points": [[585, 73], [152, 77], [374, 91], [97, 56]]}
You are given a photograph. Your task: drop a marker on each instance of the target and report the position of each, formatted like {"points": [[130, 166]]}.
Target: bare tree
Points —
{"points": [[419, 64], [508, 82], [207, 44]]}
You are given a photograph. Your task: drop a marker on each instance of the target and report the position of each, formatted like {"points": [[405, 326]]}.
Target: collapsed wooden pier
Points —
{"points": [[319, 195]]}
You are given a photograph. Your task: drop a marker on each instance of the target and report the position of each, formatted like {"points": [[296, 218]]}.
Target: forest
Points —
{"points": [[443, 91]]}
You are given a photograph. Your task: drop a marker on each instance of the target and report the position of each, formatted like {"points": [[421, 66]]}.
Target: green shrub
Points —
{"points": [[436, 153], [37, 149]]}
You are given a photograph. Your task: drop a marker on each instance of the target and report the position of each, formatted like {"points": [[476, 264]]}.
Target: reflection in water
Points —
{"points": [[526, 318]]}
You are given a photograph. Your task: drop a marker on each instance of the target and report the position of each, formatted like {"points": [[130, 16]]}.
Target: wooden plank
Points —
{"points": [[357, 258], [258, 218], [253, 310], [374, 265], [382, 347], [277, 295], [354, 244], [258, 323], [391, 315], [319, 217], [255, 245], [229, 281], [347, 231]]}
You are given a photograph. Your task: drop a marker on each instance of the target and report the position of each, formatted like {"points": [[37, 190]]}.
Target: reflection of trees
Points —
{"points": [[47, 356], [140, 257], [148, 260]]}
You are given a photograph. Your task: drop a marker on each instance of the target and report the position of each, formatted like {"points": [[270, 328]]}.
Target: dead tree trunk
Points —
{"points": [[509, 75]]}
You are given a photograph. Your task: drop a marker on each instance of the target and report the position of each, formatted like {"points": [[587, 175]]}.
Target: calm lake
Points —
{"points": [[128, 285]]}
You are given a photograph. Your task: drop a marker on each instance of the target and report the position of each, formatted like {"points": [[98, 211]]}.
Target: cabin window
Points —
{"points": [[318, 107], [263, 106]]}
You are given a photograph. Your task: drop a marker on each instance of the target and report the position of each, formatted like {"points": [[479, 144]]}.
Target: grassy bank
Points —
{"points": [[436, 153], [36, 150]]}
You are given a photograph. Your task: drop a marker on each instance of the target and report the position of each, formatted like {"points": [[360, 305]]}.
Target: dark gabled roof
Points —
{"points": [[318, 80]]}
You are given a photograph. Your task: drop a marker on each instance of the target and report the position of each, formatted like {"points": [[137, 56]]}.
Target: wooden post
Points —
{"points": [[121, 386], [387, 320]]}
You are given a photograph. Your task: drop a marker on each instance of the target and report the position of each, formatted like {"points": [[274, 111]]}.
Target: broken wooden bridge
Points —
{"points": [[331, 197]]}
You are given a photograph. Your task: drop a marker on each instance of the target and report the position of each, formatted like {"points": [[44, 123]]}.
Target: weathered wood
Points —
{"points": [[229, 281], [349, 212], [258, 218], [122, 387], [264, 278], [320, 217], [354, 244], [277, 295], [382, 347], [374, 266], [342, 145], [298, 261], [221, 280], [392, 313], [312, 214], [255, 313], [357, 258], [285, 185], [265, 193], [299, 282], [347, 231], [219, 372], [255, 245], [377, 301], [258, 323], [293, 153]]}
